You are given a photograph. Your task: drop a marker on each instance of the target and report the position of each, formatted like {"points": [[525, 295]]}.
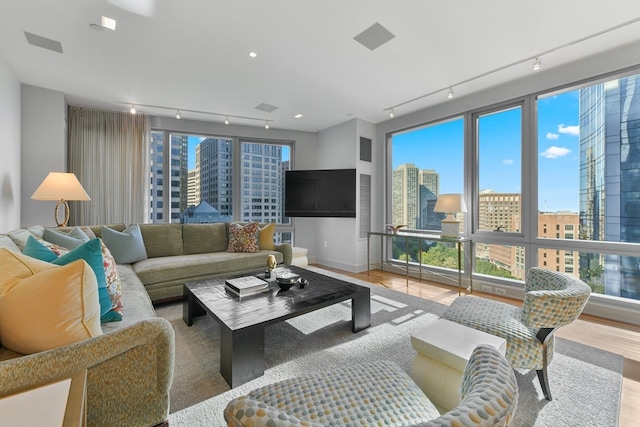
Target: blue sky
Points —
{"points": [[440, 147]]}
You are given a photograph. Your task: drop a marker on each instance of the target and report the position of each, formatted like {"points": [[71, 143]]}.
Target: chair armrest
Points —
{"points": [[287, 252], [130, 371]]}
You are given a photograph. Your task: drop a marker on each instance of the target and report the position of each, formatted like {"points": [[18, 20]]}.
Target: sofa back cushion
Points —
{"points": [[204, 238], [162, 239]]}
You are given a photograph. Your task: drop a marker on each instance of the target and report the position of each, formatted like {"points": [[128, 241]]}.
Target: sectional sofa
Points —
{"points": [[129, 363]]}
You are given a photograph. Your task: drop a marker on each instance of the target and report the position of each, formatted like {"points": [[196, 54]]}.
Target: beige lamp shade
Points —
{"points": [[450, 203], [61, 186]]}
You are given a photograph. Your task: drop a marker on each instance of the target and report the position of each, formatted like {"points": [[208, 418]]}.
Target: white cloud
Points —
{"points": [[507, 162], [569, 130], [554, 152], [551, 135]]}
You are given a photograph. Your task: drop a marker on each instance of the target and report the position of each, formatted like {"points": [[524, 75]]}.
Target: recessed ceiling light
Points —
{"points": [[253, 54], [298, 116], [109, 23]]}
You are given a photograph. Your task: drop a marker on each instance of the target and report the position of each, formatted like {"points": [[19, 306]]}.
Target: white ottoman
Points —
{"points": [[444, 348], [299, 257]]}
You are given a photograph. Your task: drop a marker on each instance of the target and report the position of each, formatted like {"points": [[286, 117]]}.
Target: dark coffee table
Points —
{"points": [[242, 320]]}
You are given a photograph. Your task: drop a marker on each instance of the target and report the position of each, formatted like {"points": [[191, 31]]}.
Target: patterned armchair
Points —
{"points": [[380, 393], [551, 300]]}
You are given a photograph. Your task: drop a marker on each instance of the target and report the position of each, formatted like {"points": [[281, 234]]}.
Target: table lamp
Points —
{"points": [[61, 186], [449, 204]]}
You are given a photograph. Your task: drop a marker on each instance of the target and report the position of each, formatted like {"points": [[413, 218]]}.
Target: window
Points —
{"points": [[589, 141], [200, 180], [426, 162], [499, 145], [554, 180]]}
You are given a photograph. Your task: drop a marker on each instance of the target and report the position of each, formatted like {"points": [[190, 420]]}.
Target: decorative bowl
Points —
{"points": [[286, 279]]}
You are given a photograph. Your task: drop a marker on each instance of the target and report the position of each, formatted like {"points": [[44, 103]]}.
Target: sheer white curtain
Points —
{"points": [[109, 153]]}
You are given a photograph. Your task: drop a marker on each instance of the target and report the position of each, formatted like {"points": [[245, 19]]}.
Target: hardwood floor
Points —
{"points": [[612, 336]]}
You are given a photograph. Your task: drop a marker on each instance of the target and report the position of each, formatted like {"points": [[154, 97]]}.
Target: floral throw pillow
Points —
{"points": [[243, 238], [114, 286]]}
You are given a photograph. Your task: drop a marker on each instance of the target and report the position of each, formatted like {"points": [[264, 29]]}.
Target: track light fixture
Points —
{"points": [[392, 114], [537, 64], [178, 114]]}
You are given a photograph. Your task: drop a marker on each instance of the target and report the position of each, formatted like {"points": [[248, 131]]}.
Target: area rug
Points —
{"points": [[585, 382]]}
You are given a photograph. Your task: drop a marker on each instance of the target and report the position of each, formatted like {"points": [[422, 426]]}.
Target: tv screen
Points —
{"points": [[320, 193]]}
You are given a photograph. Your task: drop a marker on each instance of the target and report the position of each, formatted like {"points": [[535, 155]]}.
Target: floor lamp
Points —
{"points": [[61, 186]]}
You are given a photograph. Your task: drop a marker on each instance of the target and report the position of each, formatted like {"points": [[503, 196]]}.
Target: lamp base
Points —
{"points": [[450, 228], [66, 213]]}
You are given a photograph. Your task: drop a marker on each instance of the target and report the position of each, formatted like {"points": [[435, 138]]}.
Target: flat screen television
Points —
{"points": [[320, 193]]}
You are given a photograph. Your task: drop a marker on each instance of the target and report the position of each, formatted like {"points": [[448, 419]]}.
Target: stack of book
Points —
{"points": [[245, 286]]}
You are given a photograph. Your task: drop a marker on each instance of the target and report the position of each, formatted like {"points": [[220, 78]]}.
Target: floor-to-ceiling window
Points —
{"points": [[589, 184], [207, 178], [553, 181], [426, 162]]}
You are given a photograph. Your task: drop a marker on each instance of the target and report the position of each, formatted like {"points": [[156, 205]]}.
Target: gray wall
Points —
{"points": [[10, 148], [43, 149]]}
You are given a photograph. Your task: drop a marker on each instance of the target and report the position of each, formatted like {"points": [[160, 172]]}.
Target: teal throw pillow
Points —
{"points": [[70, 240], [91, 253], [127, 247]]}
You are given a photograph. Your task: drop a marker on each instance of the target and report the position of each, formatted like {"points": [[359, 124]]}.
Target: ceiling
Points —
{"points": [[194, 54]]}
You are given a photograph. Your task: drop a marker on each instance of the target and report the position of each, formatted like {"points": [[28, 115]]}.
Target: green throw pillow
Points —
{"points": [[91, 252]]}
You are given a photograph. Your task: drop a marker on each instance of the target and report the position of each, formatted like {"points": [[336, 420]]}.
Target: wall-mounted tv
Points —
{"points": [[320, 193]]}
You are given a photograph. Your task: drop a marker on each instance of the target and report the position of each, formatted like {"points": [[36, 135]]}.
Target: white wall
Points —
{"points": [[43, 149], [10, 148], [335, 242]]}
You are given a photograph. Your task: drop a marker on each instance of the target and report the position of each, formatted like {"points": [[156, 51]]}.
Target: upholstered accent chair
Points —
{"points": [[551, 300], [380, 393]]}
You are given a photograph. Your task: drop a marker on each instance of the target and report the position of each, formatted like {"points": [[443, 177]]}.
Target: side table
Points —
{"points": [[444, 349]]}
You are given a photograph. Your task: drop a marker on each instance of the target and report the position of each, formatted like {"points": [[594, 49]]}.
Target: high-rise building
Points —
{"points": [[214, 160], [609, 181], [262, 175], [559, 225], [429, 181], [406, 196], [193, 187], [499, 211], [171, 167]]}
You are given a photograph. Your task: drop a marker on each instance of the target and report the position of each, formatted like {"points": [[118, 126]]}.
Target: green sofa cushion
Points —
{"points": [[204, 238], [162, 240]]}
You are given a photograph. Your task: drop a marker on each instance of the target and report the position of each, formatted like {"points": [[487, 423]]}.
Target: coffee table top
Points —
{"points": [[274, 306]]}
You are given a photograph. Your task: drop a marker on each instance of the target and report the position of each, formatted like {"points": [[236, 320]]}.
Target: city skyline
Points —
{"points": [[440, 147]]}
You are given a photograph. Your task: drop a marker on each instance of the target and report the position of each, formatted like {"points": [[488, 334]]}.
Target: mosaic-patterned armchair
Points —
{"points": [[551, 300], [380, 393]]}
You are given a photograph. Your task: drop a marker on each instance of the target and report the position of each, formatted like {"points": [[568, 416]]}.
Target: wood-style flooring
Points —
{"points": [[616, 337]]}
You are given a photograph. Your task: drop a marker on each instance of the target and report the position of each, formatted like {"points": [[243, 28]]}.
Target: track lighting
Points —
{"points": [[178, 113], [537, 64], [391, 113], [450, 94]]}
